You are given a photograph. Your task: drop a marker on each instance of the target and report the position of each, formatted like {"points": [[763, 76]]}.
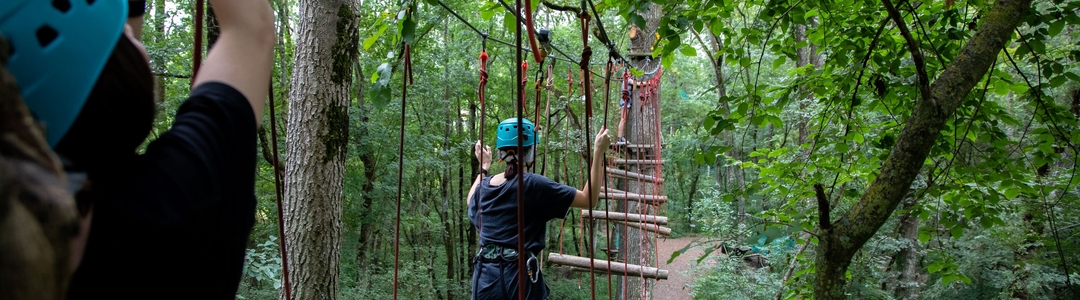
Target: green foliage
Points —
{"points": [[742, 155]]}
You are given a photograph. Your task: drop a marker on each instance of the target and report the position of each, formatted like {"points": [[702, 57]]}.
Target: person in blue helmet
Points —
{"points": [[183, 209], [493, 204]]}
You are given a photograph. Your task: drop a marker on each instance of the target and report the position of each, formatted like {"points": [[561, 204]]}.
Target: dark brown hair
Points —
{"points": [[118, 114]]}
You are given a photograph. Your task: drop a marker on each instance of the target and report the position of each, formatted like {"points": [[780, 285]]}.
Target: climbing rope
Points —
{"points": [[483, 109], [280, 195], [406, 80], [522, 77]]}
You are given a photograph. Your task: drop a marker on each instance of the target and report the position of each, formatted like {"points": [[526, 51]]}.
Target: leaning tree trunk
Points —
{"points": [[641, 129], [316, 142], [840, 240]]}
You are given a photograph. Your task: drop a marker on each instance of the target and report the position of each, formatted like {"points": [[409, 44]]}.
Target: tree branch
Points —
{"points": [[920, 133], [563, 8], [823, 207], [916, 53]]}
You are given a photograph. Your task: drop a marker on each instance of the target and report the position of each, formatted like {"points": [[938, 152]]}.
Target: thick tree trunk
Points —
{"points": [[641, 129], [840, 240], [316, 143]]}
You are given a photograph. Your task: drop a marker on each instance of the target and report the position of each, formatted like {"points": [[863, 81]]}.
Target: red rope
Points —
{"points": [[483, 108], [280, 195], [520, 165], [539, 57], [586, 55], [607, 227], [405, 81]]}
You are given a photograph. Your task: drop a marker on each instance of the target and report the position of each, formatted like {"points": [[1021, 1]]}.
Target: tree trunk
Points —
{"points": [[840, 240], [641, 127], [316, 143], [159, 38], [907, 283]]}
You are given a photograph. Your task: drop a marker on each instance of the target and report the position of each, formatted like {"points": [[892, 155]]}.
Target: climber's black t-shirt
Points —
{"points": [[544, 200], [173, 223]]}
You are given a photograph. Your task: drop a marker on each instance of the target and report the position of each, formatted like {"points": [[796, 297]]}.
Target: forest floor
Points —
{"points": [[681, 271]]}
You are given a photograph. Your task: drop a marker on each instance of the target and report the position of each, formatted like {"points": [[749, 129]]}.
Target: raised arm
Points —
{"points": [[485, 164], [243, 55], [582, 200]]}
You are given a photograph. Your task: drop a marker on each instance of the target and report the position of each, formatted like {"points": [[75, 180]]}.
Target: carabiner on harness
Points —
{"points": [[532, 265]]}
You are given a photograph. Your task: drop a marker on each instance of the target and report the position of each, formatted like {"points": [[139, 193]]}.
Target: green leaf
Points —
{"points": [[380, 91], [957, 231], [677, 252], [1058, 81], [510, 22], [924, 237], [1011, 193], [688, 50], [666, 60], [371, 40], [744, 62], [779, 61], [487, 14], [408, 29], [716, 27], [1056, 27], [934, 267]]}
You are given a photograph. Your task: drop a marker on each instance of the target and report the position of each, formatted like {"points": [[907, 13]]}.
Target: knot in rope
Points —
{"points": [[483, 75]]}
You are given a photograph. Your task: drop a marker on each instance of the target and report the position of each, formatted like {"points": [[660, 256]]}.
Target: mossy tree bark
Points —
{"points": [[840, 240], [316, 143]]}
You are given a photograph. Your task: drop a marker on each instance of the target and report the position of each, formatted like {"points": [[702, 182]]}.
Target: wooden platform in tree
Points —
{"points": [[618, 216], [601, 266], [614, 194], [632, 175]]}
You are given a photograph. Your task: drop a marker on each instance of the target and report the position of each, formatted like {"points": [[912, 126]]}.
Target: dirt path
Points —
{"points": [[680, 271]]}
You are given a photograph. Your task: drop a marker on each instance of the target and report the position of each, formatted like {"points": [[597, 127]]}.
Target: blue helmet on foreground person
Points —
{"points": [[506, 139], [59, 49]]}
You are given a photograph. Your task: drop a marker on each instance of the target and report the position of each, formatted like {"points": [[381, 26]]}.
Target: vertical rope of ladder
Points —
{"points": [[405, 81], [607, 201], [586, 55], [659, 169], [280, 195]]}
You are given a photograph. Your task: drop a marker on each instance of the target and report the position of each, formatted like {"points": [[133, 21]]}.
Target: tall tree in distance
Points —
{"points": [[316, 143]]}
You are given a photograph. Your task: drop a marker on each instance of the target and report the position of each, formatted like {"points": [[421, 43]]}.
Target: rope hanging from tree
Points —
{"points": [[406, 80]]}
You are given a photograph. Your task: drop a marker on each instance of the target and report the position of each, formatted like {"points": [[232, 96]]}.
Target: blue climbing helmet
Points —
{"points": [[59, 48], [506, 137]]}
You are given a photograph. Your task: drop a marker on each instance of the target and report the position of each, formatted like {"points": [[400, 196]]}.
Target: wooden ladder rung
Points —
{"points": [[632, 175], [662, 230], [631, 146], [621, 161], [601, 266], [614, 194], [618, 216]]}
